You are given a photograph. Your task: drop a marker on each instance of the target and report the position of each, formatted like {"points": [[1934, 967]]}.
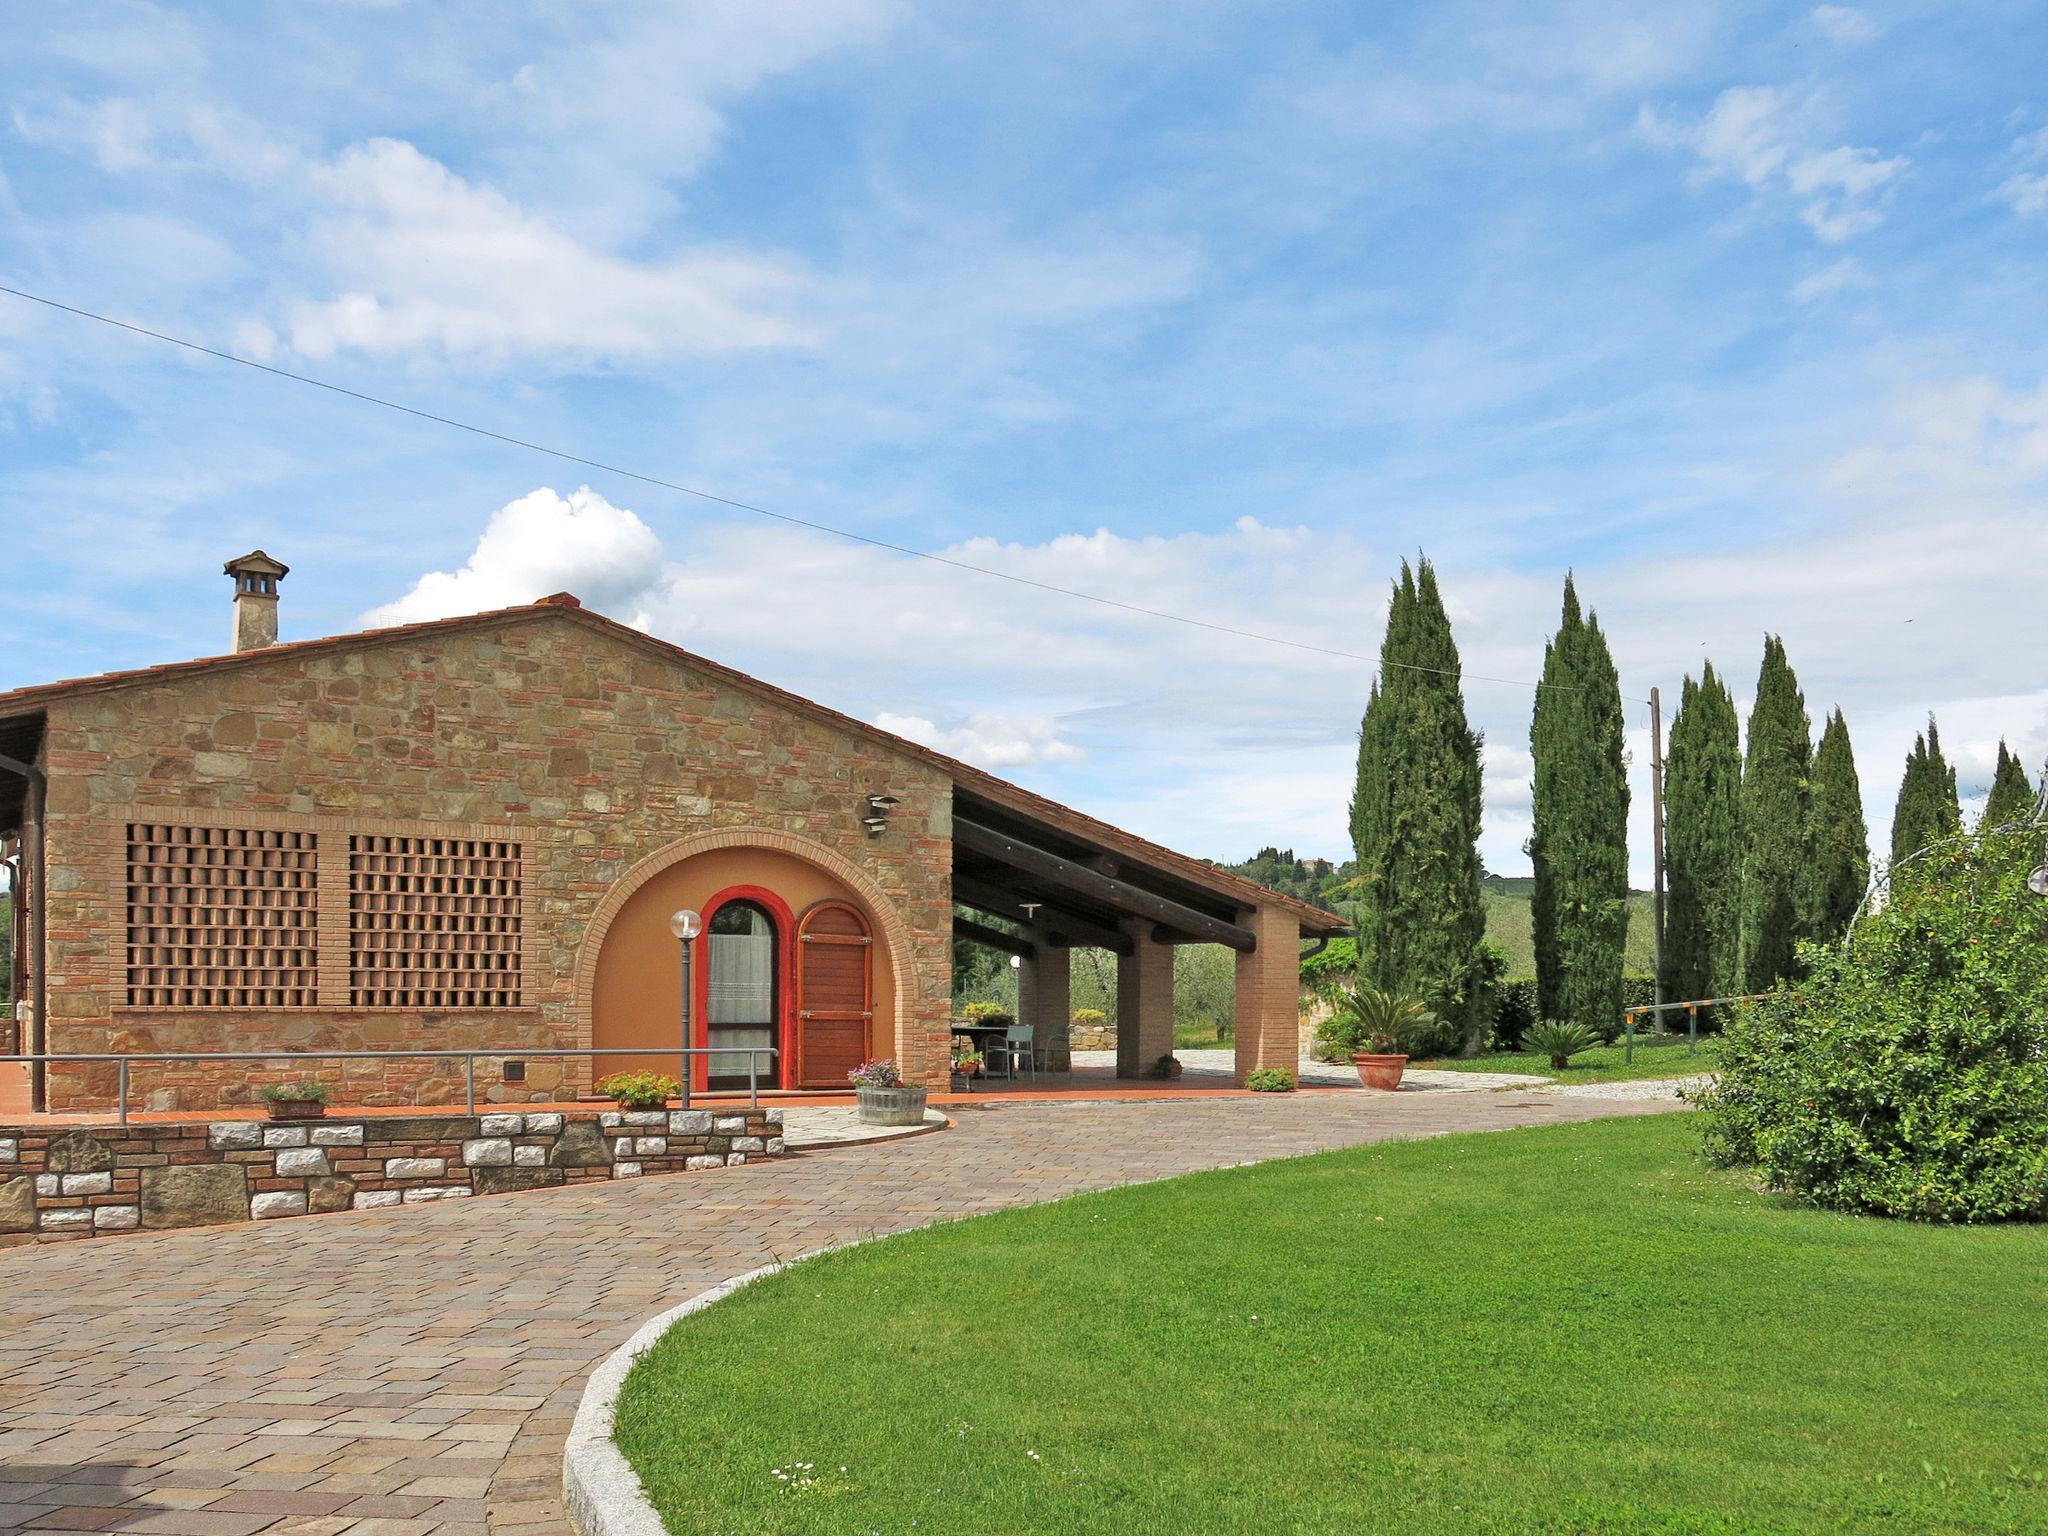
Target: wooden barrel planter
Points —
{"points": [[890, 1106]]}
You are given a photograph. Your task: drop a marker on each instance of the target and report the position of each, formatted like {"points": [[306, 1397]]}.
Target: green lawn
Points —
{"points": [[1657, 1056], [1574, 1331]]}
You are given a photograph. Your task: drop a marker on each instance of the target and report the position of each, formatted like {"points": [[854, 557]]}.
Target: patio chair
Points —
{"points": [[1017, 1046]]}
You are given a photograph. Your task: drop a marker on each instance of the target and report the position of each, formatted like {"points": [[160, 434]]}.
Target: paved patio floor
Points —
{"points": [[412, 1372]]}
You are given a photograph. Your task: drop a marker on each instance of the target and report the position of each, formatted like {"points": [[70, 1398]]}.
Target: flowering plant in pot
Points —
{"points": [[1374, 1027], [304, 1100], [967, 1063], [882, 1097]]}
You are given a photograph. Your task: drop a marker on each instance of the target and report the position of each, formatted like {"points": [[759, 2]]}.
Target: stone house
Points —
{"points": [[471, 834]]}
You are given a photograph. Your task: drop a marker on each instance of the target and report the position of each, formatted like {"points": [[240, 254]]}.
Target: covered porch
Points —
{"points": [[1037, 886]]}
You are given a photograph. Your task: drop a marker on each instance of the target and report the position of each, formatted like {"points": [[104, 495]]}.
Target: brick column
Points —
{"points": [[1269, 994], [1045, 1002], [1144, 1003]]}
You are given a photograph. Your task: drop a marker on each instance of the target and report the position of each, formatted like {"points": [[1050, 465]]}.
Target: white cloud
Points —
{"points": [[1764, 138], [2027, 190], [988, 741], [1846, 25], [1917, 593], [1831, 279], [405, 256], [602, 120], [428, 260], [539, 544]]}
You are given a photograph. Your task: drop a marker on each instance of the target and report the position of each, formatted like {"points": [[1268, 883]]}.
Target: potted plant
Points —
{"points": [[883, 1098], [966, 1063], [640, 1090], [304, 1100], [1374, 1028]]}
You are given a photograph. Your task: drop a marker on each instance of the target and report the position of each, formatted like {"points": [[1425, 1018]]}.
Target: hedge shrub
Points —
{"points": [[1908, 1074], [1514, 1012]]}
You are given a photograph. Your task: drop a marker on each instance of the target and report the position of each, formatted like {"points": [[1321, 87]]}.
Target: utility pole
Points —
{"points": [[1657, 839]]}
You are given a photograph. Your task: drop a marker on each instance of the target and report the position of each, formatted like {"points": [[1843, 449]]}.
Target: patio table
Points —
{"points": [[980, 1036]]}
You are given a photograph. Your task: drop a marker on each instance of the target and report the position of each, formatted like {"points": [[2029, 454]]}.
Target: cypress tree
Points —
{"points": [[1415, 814], [2012, 797], [1703, 845], [1579, 849], [1927, 810], [1841, 841], [1777, 824]]}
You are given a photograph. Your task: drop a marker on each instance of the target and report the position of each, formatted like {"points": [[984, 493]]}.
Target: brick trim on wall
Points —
{"points": [[895, 932]]}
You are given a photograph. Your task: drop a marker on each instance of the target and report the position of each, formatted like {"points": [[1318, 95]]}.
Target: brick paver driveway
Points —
{"points": [[394, 1373]]}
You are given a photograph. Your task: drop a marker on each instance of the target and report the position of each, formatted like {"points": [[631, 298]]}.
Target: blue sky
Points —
{"points": [[1736, 309]]}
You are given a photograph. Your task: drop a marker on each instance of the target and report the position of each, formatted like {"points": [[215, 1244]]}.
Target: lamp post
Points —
{"points": [[686, 925]]}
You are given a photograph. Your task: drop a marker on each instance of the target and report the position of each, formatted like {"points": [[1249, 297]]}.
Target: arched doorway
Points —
{"points": [[743, 989], [824, 962]]}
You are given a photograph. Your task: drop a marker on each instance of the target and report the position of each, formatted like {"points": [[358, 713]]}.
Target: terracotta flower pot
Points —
{"points": [[1377, 1071]]}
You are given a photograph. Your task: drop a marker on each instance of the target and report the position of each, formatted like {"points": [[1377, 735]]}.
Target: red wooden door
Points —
{"points": [[834, 994]]}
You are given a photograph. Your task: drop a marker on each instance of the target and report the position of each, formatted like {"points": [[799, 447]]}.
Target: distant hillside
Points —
{"points": [[1507, 898], [1509, 925]]}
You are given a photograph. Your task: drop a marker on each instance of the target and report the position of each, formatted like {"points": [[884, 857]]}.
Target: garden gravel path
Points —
{"points": [[412, 1372], [1636, 1090]]}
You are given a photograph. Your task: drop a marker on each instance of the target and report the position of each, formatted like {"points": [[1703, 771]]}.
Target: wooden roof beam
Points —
{"points": [[994, 938], [1058, 927], [1069, 875]]}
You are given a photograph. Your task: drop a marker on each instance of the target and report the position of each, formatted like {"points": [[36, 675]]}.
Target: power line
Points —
{"points": [[744, 506]]}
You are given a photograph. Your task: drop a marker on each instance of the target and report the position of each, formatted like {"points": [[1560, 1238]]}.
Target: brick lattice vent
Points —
{"points": [[88, 1181]]}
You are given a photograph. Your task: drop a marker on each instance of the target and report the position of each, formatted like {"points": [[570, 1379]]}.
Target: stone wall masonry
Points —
{"points": [[87, 1181], [590, 752], [1092, 1036]]}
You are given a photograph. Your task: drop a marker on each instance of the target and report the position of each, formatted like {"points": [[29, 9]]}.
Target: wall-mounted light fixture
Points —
{"points": [[877, 818]]}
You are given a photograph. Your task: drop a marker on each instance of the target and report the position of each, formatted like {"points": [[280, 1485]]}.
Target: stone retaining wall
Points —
{"points": [[58, 1183], [1092, 1037]]}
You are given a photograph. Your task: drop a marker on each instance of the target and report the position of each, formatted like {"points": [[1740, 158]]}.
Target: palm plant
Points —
{"points": [[1371, 1019], [1560, 1042]]}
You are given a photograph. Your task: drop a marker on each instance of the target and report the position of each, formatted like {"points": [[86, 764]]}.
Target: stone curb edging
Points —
{"points": [[894, 1133], [601, 1493]]}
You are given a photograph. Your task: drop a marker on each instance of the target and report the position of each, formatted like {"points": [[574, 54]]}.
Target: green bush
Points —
{"points": [[1908, 1073], [1514, 1012], [1368, 1019], [1090, 1017], [1270, 1080], [639, 1090], [307, 1090], [1325, 973], [1560, 1042]]}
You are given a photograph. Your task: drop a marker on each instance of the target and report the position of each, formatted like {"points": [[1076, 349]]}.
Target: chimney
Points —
{"points": [[256, 578]]}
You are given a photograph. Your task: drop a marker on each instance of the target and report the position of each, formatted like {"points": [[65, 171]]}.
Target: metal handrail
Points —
{"points": [[1692, 1018], [468, 1058]]}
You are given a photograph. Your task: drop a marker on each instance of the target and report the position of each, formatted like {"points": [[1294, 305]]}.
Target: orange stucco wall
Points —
{"points": [[635, 997]]}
